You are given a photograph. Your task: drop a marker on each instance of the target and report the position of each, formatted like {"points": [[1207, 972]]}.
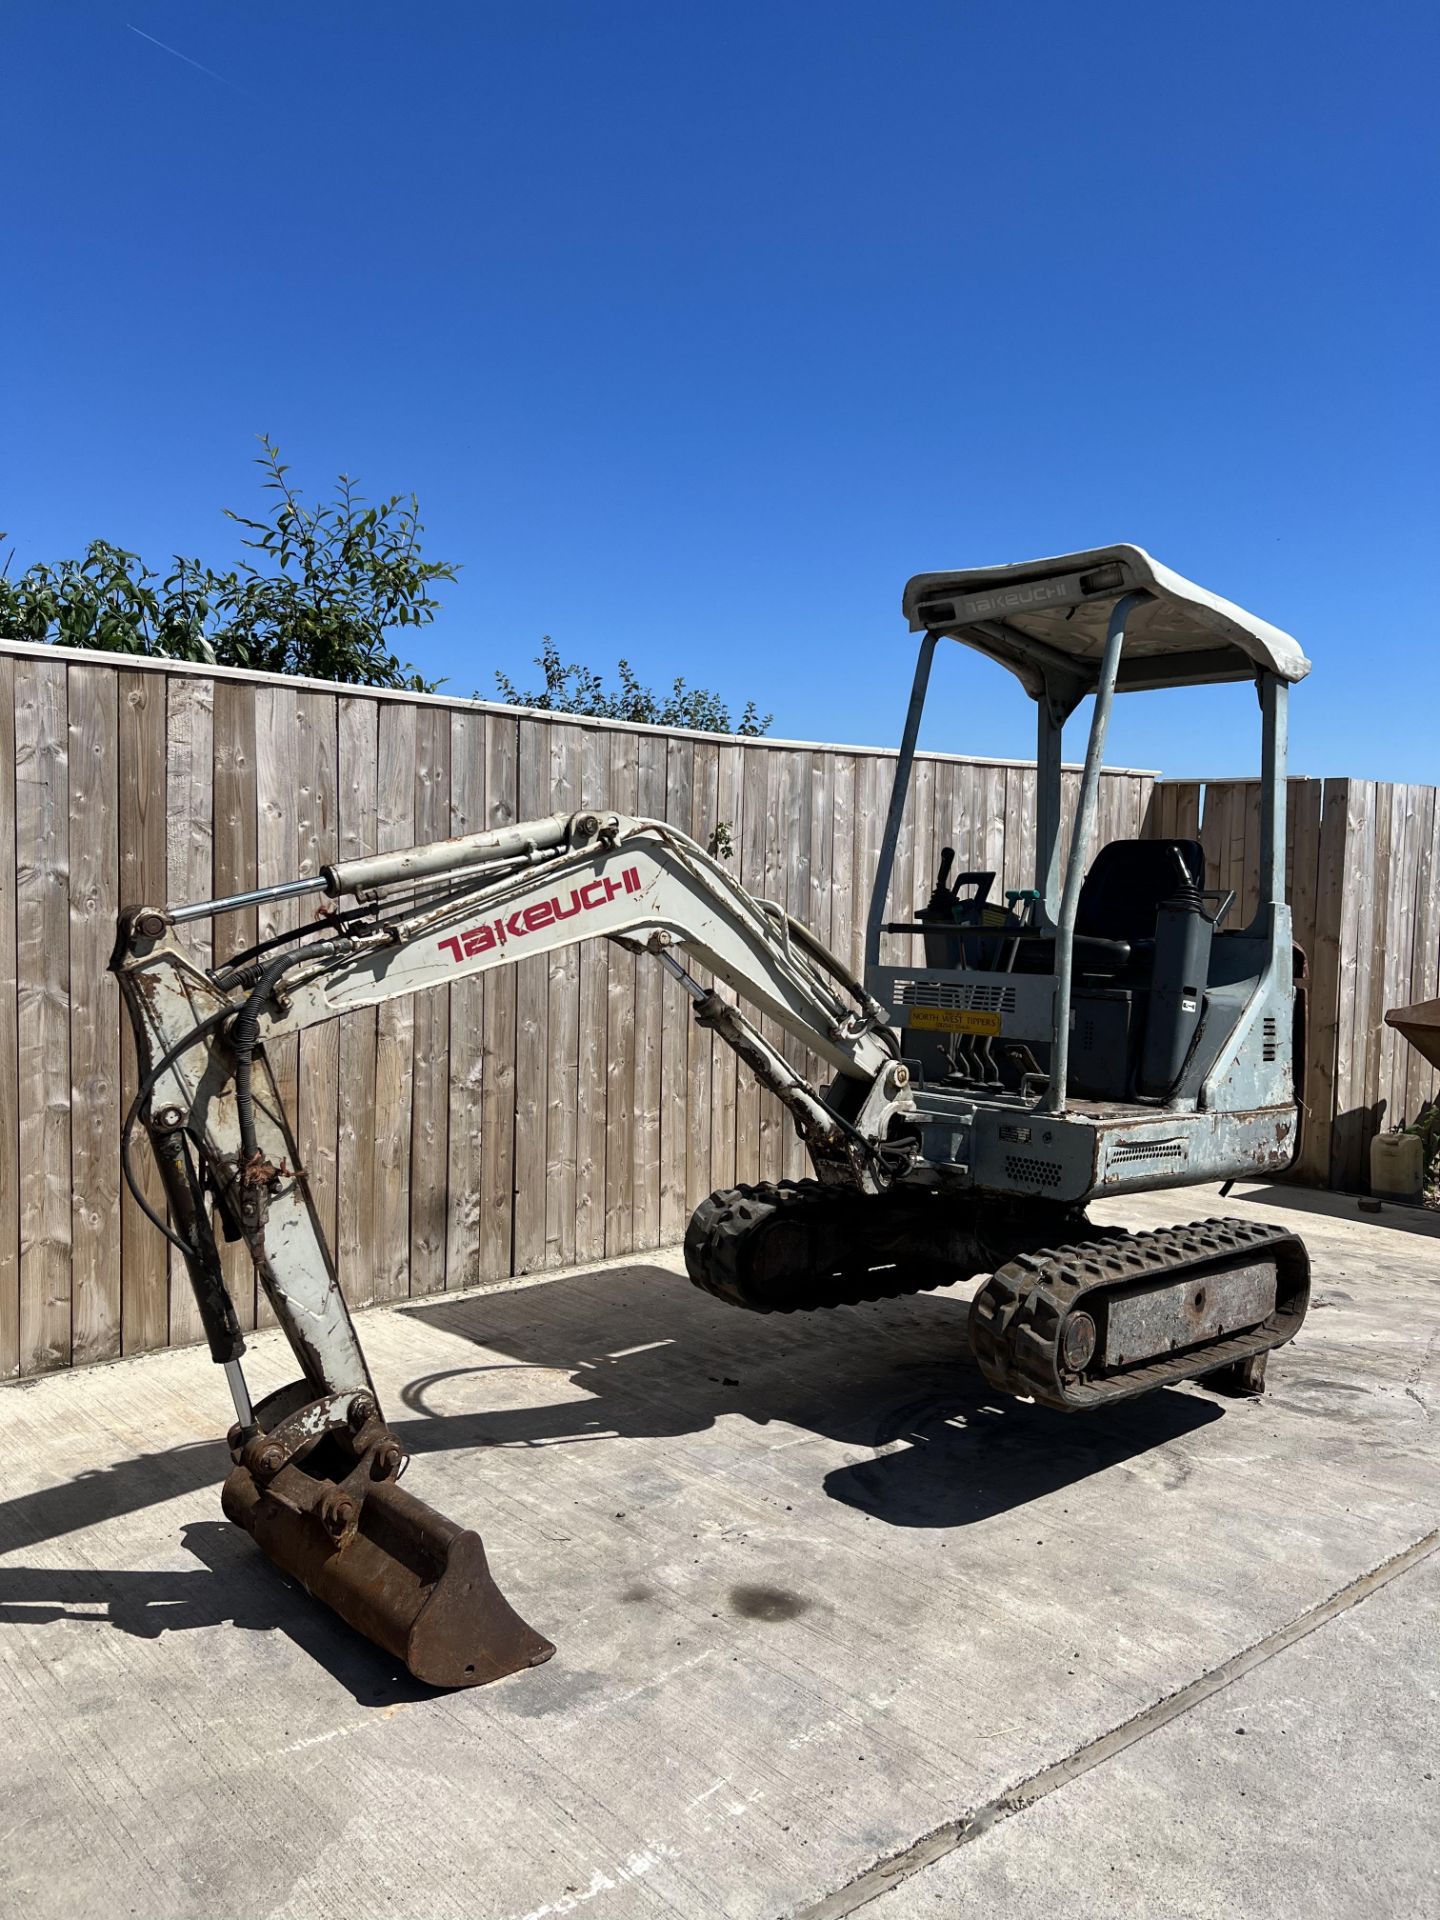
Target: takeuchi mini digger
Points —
{"points": [[1107, 1031]]}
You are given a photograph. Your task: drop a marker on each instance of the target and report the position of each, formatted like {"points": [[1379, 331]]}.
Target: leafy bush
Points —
{"points": [[575, 689], [325, 589], [328, 586]]}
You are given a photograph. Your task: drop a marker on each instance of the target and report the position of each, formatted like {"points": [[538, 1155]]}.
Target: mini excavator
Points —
{"points": [[1104, 1032]]}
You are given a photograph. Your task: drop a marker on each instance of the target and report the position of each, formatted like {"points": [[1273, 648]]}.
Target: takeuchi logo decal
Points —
{"points": [[544, 913]]}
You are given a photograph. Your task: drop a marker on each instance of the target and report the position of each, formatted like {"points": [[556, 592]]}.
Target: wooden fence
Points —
{"points": [[568, 1108], [1363, 878], [565, 1109]]}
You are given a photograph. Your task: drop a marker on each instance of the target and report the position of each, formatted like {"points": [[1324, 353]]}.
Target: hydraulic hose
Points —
{"points": [[146, 1088], [244, 1037]]}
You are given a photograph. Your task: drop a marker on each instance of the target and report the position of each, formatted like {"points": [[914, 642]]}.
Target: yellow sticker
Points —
{"points": [[952, 1020]]}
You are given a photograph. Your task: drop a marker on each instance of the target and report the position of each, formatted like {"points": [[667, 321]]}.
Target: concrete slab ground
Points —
{"points": [[1310, 1785], [824, 1606]]}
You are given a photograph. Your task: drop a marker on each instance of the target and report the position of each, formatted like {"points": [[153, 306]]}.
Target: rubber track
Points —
{"points": [[728, 1225], [1018, 1316]]}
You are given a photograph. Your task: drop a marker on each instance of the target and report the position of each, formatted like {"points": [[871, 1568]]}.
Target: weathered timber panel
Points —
{"points": [[568, 1108]]}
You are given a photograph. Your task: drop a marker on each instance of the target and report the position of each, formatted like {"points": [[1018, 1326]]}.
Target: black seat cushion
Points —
{"points": [[1127, 882]]}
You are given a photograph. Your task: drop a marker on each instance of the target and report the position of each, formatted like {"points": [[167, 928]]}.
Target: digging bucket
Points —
{"points": [[393, 1568]]}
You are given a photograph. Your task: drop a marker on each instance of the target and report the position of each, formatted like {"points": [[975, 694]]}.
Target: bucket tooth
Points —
{"points": [[401, 1574]]}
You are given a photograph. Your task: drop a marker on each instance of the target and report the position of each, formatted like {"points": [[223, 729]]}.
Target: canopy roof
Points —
{"points": [[1046, 619]]}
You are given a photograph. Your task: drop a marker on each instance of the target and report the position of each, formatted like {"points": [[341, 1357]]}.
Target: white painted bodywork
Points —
{"points": [[1049, 601]]}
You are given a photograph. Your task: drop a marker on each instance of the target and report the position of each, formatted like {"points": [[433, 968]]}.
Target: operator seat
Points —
{"points": [[1128, 882], [1120, 898]]}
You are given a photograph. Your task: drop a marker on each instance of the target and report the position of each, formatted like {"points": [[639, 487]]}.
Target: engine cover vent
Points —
{"points": [[1030, 1172], [1157, 1150]]}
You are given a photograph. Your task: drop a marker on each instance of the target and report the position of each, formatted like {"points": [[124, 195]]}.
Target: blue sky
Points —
{"points": [[698, 328]]}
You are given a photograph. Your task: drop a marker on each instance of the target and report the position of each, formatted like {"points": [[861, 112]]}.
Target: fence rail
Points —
{"points": [[567, 1108]]}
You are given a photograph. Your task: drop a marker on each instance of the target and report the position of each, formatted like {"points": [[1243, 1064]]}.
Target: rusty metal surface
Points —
{"points": [[401, 1574], [1420, 1025], [318, 1495], [1160, 1319]]}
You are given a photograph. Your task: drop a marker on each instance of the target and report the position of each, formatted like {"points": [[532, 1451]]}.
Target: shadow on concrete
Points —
{"points": [[1395, 1214], [236, 1586], [655, 1358], [652, 1358], [127, 1486]]}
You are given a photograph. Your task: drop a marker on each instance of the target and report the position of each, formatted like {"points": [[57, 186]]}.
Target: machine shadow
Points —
{"points": [[104, 1493], [641, 1354], [655, 1358], [1398, 1216], [235, 1586]]}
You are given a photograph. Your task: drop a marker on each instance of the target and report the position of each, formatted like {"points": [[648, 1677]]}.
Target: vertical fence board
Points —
{"points": [[495, 1036], [234, 871], [793, 888], [357, 1148], [1322, 1065], [94, 1014], [753, 814], [620, 1037], [697, 1065], [1069, 802], [562, 1020], [1370, 980], [1397, 936], [1352, 995], [277, 784], [532, 989], [871, 798], [844, 910], [189, 863], [591, 1114], [675, 1024], [1251, 902], [395, 1020], [724, 1068], [820, 910], [1425, 947], [430, 1093], [1020, 802], [315, 802], [472, 1204], [1303, 875], [1244, 850], [314, 824], [9, 1043], [42, 914], [992, 814], [145, 1301], [649, 1023], [1214, 838], [925, 856], [1187, 811]]}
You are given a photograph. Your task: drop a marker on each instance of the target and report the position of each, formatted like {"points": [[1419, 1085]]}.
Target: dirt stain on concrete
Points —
{"points": [[767, 1603]]}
